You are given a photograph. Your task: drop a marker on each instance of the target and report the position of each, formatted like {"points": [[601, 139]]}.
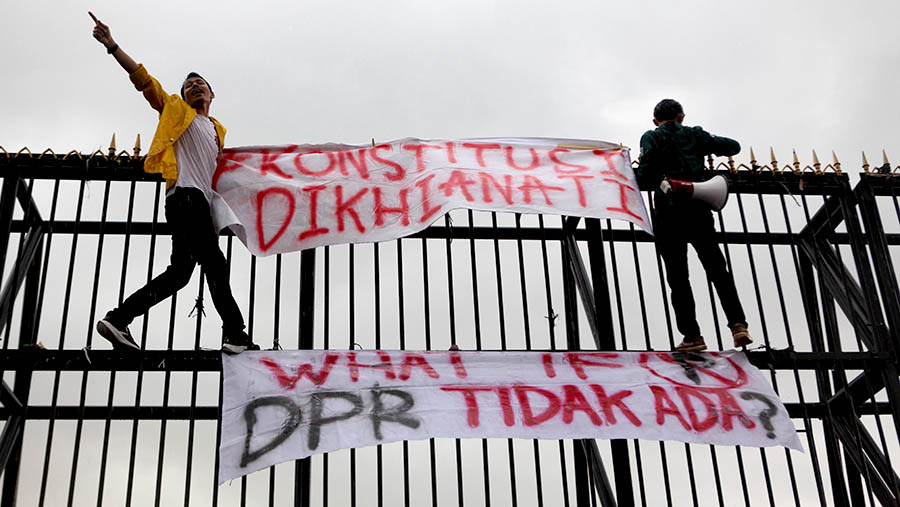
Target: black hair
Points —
{"points": [[190, 75], [667, 110]]}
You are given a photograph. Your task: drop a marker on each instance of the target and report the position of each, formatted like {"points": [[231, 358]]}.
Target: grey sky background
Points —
{"points": [[798, 75], [791, 75]]}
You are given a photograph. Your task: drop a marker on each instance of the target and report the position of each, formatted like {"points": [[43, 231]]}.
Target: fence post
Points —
{"points": [[603, 313], [22, 385], [7, 206], [307, 328]]}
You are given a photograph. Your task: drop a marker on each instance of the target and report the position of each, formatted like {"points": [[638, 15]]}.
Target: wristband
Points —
{"points": [[112, 49]]}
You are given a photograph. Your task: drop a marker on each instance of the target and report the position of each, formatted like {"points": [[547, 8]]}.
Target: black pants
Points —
{"points": [[194, 239], [675, 227]]}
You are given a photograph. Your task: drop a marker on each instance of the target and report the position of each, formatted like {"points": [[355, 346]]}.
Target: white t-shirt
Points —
{"points": [[196, 151]]}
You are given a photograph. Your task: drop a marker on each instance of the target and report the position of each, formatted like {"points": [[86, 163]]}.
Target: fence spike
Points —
{"points": [[865, 164], [885, 167], [112, 145], [837, 164], [796, 162], [817, 166], [137, 146]]}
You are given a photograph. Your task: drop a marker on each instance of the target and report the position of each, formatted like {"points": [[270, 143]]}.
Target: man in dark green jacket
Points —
{"points": [[677, 152]]}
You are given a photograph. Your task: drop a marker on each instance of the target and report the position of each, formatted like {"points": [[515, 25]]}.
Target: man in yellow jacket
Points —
{"points": [[184, 150]]}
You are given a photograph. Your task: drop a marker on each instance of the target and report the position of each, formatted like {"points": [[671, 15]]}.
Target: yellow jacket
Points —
{"points": [[175, 116]]}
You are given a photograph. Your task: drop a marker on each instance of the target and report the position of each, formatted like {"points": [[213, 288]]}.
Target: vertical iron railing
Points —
{"points": [[814, 254]]}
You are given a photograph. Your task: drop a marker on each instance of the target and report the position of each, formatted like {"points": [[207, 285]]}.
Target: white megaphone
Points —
{"points": [[713, 191]]}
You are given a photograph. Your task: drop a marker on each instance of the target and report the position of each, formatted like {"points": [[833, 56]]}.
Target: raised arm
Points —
{"points": [[716, 145], [724, 146], [143, 82], [103, 35]]}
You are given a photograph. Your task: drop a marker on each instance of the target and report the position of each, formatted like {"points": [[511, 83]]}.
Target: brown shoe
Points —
{"points": [[691, 345], [740, 335]]}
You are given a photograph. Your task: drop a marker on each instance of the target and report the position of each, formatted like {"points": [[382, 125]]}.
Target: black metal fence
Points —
{"points": [[812, 254]]}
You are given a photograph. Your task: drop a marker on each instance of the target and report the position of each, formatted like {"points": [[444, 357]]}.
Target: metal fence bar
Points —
{"points": [[352, 346], [27, 268], [7, 207], [326, 342], [584, 485], [765, 330], [451, 307], [276, 320], [763, 325], [164, 427], [646, 331], [852, 450], [846, 417], [852, 440], [63, 328], [143, 342], [13, 428], [886, 276], [551, 328], [189, 459], [401, 317], [808, 260], [603, 314], [528, 346], [112, 380], [476, 313], [811, 443], [427, 322], [12, 436], [379, 450], [510, 449], [303, 467]]}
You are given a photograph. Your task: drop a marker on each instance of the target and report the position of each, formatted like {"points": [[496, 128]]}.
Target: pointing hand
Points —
{"points": [[101, 32]]}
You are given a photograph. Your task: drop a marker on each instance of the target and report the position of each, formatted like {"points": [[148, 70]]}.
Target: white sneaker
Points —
{"points": [[237, 342], [120, 338]]}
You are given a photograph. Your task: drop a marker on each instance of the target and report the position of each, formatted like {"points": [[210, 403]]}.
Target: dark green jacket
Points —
{"points": [[677, 152]]}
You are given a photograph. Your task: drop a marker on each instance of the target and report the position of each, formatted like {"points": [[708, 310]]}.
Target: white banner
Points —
{"points": [[286, 198], [286, 405]]}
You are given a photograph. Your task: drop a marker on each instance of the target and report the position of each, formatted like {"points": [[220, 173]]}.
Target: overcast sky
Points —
{"points": [[798, 75], [791, 75]]}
